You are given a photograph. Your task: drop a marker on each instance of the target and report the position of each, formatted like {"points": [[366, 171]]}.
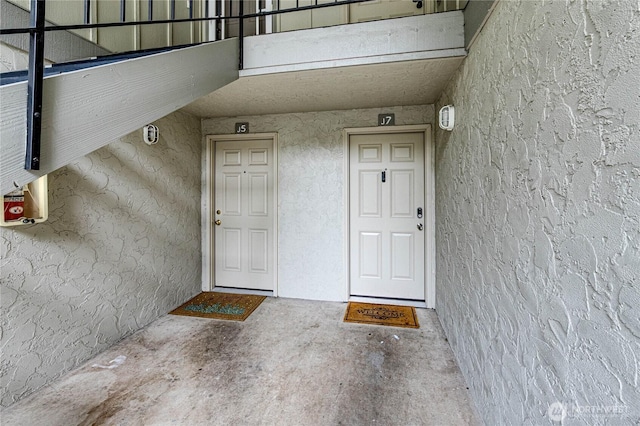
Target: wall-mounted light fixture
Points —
{"points": [[150, 134], [446, 117]]}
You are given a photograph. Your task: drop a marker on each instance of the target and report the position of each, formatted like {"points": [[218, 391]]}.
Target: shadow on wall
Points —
{"points": [[121, 248], [117, 191], [112, 217]]}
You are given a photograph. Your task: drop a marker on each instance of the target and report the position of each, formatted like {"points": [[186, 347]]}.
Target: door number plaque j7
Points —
{"points": [[386, 119]]}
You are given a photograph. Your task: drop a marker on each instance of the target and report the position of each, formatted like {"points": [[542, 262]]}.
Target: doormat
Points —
{"points": [[369, 313], [226, 306]]}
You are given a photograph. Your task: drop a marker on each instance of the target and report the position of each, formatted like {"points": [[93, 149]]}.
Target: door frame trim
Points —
{"points": [[429, 197], [208, 174]]}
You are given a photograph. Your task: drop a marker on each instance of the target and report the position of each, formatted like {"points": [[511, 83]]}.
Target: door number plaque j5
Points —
{"points": [[242, 127]]}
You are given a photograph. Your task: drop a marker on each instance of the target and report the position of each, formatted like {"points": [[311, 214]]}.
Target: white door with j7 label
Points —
{"points": [[244, 214], [386, 203]]}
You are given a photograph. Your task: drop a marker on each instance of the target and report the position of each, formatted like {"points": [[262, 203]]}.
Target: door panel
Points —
{"points": [[244, 235], [258, 191], [374, 10], [231, 187], [258, 249], [383, 9], [402, 193], [317, 18], [387, 239], [231, 249], [232, 8], [402, 256], [370, 194], [370, 255]]}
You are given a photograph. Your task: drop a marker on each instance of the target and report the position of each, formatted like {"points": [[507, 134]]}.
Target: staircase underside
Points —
{"points": [[402, 61], [85, 109]]}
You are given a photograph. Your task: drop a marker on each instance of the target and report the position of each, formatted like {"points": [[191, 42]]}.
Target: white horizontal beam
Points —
{"points": [[409, 38], [85, 110], [347, 62]]}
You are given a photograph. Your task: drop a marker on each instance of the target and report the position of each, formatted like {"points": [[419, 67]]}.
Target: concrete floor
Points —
{"points": [[292, 362]]}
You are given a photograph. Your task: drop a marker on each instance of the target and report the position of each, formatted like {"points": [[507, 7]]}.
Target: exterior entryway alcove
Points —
{"points": [[391, 214], [241, 220]]}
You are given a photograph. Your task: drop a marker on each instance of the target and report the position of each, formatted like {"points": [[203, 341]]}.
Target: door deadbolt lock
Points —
{"points": [[419, 212], [218, 212], [218, 222], [420, 226]]}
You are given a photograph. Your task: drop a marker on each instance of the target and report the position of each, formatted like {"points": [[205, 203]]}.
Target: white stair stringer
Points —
{"points": [[87, 109]]}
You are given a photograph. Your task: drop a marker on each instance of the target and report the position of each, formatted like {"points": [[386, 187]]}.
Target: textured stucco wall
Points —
{"points": [[538, 214], [121, 248], [311, 207]]}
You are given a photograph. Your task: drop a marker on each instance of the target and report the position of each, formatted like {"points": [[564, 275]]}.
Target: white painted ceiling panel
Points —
{"points": [[415, 82]]}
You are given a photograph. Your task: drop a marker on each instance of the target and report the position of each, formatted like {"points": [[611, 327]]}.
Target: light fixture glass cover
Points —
{"points": [[446, 117], [150, 134]]}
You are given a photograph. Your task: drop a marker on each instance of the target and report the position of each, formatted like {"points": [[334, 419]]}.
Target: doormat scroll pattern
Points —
{"points": [[226, 306], [392, 315]]}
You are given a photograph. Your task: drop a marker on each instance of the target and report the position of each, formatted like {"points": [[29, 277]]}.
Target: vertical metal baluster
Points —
{"points": [[258, 10], [222, 11], [150, 14], [241, 36], [87, 11], [123, 10], [35, 85], [191, 37]]}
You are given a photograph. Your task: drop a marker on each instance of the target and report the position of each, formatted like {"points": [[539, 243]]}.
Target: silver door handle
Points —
{"points": [[420, 226]]}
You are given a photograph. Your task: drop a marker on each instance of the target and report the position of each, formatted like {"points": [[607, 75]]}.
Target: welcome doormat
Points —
{"points": [[370, 313], [224, 306]]}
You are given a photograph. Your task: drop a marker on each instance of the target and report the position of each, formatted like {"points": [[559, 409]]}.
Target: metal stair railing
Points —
{"points": [[38, 28]]}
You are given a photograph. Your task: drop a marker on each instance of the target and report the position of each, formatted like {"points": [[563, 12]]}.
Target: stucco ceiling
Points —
{"points": [[365, 86]]}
